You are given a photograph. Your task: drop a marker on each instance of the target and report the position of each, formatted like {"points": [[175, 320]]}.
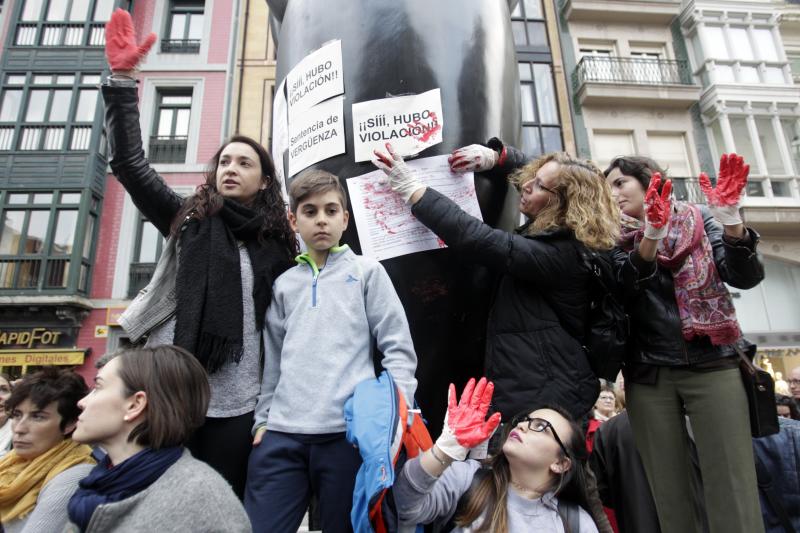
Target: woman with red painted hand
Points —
{"points": [[674, 259], [536, 482], [544, 288], [226, 245]]}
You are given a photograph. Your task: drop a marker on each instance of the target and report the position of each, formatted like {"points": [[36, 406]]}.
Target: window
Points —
{"points": [[528, 27], [670, 151], [739, 53], [171, 126], [46, 113], [147, 250], [63, 23], [541, 132], [610, 144], [185, 27], [40, 243]]}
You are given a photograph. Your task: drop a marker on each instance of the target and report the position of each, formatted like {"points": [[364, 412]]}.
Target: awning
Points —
{"points": [[68, 356]]}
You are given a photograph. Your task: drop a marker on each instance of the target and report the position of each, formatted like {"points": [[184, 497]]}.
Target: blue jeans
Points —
{"points": [[284, 469]]}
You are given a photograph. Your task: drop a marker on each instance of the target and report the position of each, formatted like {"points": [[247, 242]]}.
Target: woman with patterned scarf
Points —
{"points": [[225, 246], [674, 259], [41, 473]]}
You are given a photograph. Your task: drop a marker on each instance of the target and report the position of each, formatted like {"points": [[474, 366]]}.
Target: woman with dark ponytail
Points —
{"points": [[226, 245]]}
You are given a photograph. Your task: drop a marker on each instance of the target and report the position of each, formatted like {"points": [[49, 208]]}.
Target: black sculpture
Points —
{"points": [[391, 47]]}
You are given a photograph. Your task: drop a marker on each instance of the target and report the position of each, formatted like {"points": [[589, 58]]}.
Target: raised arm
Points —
{"points": [[150, 193], [534, 260]]}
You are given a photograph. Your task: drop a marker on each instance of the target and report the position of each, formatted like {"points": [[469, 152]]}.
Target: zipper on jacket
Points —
{"points": [[314, 276]]}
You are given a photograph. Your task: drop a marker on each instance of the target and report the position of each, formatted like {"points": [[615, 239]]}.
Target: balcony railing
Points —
{"points": [[139, 277], [60, 34], [180, 46], [634, 70], [687, 190], [168, 149]]}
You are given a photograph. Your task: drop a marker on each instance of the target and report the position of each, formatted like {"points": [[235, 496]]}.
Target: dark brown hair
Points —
{"points": [[314, 181], [489, 496], [49, 385], [268, 203], [177, 390], [637, 166]]}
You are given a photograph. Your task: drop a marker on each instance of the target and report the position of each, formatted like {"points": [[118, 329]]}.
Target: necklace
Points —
{"points": [[524, 489]]}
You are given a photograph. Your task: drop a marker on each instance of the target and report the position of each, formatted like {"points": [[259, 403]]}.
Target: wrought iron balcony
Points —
{"points": [[687, 190], [138, 277], [180, 46], [631, 70], [168, 149]]}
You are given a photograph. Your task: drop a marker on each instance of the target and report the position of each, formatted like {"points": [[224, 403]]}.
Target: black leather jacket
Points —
{"points": [[656, 337], [150, 193]]}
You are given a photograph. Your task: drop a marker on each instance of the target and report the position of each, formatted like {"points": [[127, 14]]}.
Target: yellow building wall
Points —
{"points": [[254, 80]]}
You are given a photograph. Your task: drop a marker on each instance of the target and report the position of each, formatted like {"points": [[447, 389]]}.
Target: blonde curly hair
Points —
{"points": [[583, 202]]}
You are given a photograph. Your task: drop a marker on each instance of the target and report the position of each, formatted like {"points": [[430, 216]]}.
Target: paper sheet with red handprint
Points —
{"points": [[385, 225]]}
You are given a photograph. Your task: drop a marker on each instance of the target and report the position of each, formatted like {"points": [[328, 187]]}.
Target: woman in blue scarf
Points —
{"points": [[144, 406]]}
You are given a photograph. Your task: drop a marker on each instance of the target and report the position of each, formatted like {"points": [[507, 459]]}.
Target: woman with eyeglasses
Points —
{"points": [[674, 260], [535, 482], [543, 293]]}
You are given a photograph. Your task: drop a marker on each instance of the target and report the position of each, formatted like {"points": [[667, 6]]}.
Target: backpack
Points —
{"points": [[608, 325]]}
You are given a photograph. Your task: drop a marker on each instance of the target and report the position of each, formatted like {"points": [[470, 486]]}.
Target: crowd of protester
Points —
{"points": [[237, 405]]}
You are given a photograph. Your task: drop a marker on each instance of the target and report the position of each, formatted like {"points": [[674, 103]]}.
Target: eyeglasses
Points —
{"points": [[540, 425], [536, 183], [794, 382]]}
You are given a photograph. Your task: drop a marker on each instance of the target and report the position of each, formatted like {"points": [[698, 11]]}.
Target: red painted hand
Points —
{"points": [[122, 51], [467, 419], [731, 181], [658, 206]]}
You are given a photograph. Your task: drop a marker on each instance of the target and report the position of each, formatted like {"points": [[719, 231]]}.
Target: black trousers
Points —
{"points": [[225, 444]]}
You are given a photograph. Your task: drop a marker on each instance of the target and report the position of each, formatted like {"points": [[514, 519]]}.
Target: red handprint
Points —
{"points": [[122, 51], [467, 418], [658, 206], [730, 183]]}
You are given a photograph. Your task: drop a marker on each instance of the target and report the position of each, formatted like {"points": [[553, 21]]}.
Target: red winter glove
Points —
{"points": [[121, 49], [657, 208], [465, 424], [723, 202]]}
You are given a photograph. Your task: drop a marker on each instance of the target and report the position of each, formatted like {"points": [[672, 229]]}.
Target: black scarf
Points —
{"points": [[209, 283]]}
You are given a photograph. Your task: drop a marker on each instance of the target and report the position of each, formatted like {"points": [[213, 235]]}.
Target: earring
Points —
{"points": [[125, 418]]}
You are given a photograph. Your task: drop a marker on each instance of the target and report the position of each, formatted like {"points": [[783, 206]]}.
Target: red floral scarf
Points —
{"points": [[704, 303]]}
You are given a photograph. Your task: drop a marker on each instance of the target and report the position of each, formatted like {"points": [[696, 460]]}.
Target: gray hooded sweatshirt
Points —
{"points": [[318, 338]]}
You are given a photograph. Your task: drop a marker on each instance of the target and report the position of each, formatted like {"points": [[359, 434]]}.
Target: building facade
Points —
{"points": [[73, 248], [684, 82], [52, 182]]}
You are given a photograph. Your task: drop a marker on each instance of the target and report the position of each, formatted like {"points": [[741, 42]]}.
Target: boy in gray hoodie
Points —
{"points": [[324, 315]]}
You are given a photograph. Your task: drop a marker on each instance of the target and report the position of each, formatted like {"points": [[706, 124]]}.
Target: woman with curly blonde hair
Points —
{"points": [[543, 292]]}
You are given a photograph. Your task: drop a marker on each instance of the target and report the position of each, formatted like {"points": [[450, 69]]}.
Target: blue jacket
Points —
{"points": [[380, 425], [780, 454]]}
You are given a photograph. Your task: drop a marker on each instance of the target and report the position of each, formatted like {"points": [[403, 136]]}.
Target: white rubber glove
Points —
{"points": [[402, 178], [658, 208], [465, 424], [473, 158]]}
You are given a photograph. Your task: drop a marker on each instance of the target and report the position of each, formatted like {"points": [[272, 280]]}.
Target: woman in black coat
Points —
{"points": [[226, 245], [674, 260], [543, 293]]}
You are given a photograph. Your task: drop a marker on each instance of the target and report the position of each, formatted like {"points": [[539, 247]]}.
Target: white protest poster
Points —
{"points": [[280, 135], [316, 134], [317, 77], [409, 123], [385, 225]]}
